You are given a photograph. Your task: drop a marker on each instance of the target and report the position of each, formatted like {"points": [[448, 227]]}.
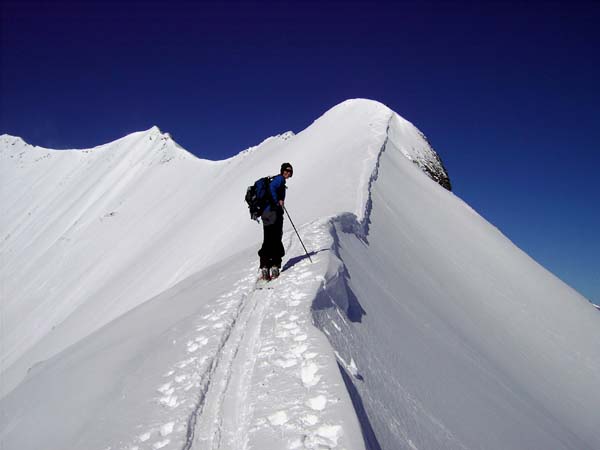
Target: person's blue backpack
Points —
{"points": [[258, 196]]}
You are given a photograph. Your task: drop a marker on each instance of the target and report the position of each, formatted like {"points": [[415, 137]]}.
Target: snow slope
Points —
{"points": [[130, 318], [459, 339]]}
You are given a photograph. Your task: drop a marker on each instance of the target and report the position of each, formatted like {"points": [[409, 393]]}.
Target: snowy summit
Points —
{"points": [[131, 318]]}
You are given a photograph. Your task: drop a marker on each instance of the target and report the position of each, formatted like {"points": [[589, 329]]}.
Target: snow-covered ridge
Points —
{"points": [[415, 148], [9, 140], [78, 220], [270, 140], [132, 283], [153, 132], [157, 147]]}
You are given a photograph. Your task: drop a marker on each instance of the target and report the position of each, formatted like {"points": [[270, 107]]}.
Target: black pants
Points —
{"points": [[272, 249]]}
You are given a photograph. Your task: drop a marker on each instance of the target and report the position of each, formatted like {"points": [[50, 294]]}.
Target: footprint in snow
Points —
{"points": [[144, 437], [308, 373], [170, 401], [183, 364], [296, 295], [309, 419], [317, 403], [299, 349], [326, 437], [279, 418], [161, 444], [167, 429], [192, 347], [285, 363], [166, 389], [282, 334], [180, 378]]}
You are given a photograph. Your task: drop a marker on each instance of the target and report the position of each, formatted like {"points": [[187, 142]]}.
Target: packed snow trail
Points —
{"points": [[188, 383], [273, 388], [262, 380], [222, 418]]}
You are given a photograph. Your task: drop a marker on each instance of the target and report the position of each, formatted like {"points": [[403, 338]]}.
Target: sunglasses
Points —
{"points": [[291, 172]]}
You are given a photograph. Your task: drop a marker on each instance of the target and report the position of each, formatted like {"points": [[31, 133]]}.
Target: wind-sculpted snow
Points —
{"points": [[451, 337], [131, 317]]}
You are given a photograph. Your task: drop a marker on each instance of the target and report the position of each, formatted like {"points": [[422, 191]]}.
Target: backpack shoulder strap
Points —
{"points": [[269, 195]]}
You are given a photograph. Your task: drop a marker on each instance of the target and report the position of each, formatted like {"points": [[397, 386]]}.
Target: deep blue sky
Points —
{"points": [[508, 94]]}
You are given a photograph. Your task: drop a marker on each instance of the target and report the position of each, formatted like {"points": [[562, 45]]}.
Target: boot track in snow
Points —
{"points": [[256, 372], [268, 385], [221, 411]]}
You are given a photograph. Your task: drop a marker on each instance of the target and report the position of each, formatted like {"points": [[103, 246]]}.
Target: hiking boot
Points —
{"points": [[274, 272], [264, 273]]}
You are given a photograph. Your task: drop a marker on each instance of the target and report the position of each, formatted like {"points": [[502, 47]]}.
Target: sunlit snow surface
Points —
{"points": [[131, 317]]}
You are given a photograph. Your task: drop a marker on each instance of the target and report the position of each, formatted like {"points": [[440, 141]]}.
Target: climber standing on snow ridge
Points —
{"points": [[272, 250]]}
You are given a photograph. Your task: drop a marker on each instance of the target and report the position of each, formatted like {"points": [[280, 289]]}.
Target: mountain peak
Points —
{"points": [[401, 134], [8, 139], [155, 130], [134, 259]]}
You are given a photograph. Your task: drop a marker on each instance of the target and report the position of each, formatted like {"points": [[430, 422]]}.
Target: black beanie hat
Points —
{"points": [[285, 166]]}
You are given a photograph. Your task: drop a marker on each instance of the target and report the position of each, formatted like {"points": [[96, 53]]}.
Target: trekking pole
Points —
{"points": [[305, 251]]}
